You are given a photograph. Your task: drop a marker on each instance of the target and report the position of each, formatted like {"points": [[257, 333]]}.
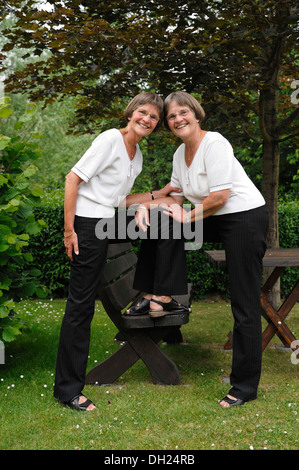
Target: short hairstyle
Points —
{"points": [[183, 99], [145, 98]]}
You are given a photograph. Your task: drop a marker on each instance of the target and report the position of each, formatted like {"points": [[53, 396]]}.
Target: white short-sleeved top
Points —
{"points": [[214, 168], [108, 175]]}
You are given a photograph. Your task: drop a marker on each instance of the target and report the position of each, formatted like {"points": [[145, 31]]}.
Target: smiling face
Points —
{"points": [[182, 121], [144, 119]]}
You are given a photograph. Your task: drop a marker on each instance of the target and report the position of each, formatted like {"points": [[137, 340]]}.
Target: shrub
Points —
{"points": [[48, 247], [205, 277], [288, 214], [19, 277]]}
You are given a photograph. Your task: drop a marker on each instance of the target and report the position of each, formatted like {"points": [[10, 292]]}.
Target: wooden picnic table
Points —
{"points": [[279, 259]]}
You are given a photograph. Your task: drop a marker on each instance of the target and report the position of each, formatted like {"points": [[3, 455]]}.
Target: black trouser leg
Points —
{"points": [[244, 253], [85, 275], [243, 235], [162, 266]]}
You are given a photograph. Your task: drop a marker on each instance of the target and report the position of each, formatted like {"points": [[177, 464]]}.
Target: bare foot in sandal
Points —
{"points": [[165, 305], [90, 407], [229, 401], [81, 403], [141, 308]]}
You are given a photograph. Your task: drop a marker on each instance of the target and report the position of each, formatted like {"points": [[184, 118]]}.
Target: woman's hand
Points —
{"points": [[177, 212], [72, 182], [142, 218], [71, 244], [160, 193]]}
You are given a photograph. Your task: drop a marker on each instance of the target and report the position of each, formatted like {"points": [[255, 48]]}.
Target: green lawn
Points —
{"points": [[133, 413]]}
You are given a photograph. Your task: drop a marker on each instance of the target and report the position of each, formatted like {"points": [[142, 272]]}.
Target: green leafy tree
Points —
{"points": [[238, 55], [18, 198], [59, 149]]}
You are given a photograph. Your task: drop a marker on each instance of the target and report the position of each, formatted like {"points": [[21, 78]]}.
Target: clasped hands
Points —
{"points": [[172, 210]]}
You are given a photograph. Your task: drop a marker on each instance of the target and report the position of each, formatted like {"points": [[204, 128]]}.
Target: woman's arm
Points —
{"points": [[211, 204], [142, 214], [72, 182], [142, 198], [145, 202]]}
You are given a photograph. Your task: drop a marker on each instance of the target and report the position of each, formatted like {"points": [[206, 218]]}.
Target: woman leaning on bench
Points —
{"points": [[93, 189]]}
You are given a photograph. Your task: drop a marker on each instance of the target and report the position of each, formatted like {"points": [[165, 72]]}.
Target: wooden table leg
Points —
{"points": [[277, 325], [229, 342], [274, 276], [274, 318]]}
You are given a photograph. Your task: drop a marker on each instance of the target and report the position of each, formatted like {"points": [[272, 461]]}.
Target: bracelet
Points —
{"points": [[70, 234], [141, 207], [151, 193]]}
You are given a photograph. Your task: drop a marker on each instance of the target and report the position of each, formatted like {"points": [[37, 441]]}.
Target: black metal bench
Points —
{"points": [[140, 334]]}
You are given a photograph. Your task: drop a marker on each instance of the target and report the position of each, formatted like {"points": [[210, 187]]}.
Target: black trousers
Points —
{"points": [[243, 235], [244, 239], [167, 265]]}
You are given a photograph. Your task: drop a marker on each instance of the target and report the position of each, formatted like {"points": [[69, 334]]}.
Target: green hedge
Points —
{"points": [[48, 251], [288, 216]]}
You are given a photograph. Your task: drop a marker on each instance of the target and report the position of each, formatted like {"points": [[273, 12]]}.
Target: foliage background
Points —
{"points": [[19, 279]]}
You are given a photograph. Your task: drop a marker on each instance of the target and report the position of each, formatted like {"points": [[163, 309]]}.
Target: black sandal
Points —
{"points": [[172, 307], [142, 308], [75, 405], [232, 402]]}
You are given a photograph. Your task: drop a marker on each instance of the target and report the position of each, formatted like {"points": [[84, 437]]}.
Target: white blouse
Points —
{"points": [[108, 175], [214, 168]]}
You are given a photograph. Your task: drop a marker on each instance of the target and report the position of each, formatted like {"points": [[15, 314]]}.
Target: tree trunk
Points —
{"points": [[270, 192], [271, 156], [270, 189]]}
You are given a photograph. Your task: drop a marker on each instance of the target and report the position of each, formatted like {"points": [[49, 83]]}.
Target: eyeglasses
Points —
{"points": [[143, 112], [181, 114]]}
